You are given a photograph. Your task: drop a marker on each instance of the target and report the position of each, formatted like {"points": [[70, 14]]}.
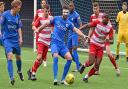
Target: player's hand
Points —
{"points": [[36, 31], [20, 42], [84, 41]]}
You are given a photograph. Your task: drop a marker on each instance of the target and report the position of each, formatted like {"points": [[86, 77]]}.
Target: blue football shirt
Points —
{"points": [[61, 26], [11, 25]]}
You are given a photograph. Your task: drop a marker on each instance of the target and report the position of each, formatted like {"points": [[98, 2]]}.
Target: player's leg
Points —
{"points": [[119, 40], [91, 59], [37, 62], [44, 56], [126, 43], [17, 51], [112, 59], [64, 52], [54, 50], [74, 51], [99, 55], [9, 55]]}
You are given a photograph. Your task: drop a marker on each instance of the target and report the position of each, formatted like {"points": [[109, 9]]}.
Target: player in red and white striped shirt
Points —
{"points": [[98, 16], [43, 43], [39, 13], [97, 42]]}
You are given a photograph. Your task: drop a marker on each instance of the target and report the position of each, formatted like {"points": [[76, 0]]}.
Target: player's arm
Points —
{"points": [[79, 21], [20, 33], [79, 33], [35, 17], [111, 35], [89, 25], [117, 20], [20, 36], [40, 28], [36, 24], [46, 23]]}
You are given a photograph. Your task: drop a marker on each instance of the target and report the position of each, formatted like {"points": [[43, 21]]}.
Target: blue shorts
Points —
{"points": [[61, 49], [72, 41], [10, 46]]}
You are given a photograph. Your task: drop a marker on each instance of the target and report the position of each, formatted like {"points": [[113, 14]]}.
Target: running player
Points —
{"points": [[98, 16], [58, 47], [97, 43], [43, 42], [12, 38]]}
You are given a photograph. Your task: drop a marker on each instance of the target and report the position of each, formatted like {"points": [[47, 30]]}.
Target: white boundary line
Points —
{"points": [[49, 62]]}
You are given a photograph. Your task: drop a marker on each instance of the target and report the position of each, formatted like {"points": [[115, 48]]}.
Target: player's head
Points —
{"points": [[96, 8], [2, 7], [65, 12], [16, 5], [46, 10], [105, 19], [71, 6], [43, 3], [124, 6]]}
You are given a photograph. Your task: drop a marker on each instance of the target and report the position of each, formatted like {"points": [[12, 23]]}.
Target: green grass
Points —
{"points": [[107, 79], [113, 47]]}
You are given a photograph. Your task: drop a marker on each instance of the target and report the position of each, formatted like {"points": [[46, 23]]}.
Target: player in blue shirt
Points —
{"points": [[72, 42], [58, 47], [1, 11], [12, 38]]}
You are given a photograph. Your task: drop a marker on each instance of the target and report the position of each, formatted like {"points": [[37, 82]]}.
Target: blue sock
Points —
{"points": [[10, 69], [18, 63], [76, 58], [55, 67], [66, 69]]}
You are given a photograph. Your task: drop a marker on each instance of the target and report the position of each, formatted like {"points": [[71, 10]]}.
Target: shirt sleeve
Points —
{"points": [[71, 26], [3, 19], [19, 22], [37, 22], [94, 23], [78, 20], [52, 21], [111, 33], [118, 17], [36, 16], [91, 19]]}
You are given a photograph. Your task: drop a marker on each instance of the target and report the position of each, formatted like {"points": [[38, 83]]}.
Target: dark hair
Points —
{"points": [[46, 6], [95, 4], [16, 3], [124, 3], [65, 7]]}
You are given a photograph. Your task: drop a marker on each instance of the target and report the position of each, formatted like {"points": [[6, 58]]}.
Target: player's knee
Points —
{"points": [[9, 56], [39, 56], [68, 56]]}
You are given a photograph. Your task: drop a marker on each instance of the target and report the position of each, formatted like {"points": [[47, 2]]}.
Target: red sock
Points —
{"points": [[91, 72], [35, 66], [87, 64], [112, 59]]}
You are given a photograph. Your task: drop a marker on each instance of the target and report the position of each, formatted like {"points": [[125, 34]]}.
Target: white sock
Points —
{"points": [[86, 76]]}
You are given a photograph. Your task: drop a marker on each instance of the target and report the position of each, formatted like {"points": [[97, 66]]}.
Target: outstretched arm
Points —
{"points": [[79, 33]]}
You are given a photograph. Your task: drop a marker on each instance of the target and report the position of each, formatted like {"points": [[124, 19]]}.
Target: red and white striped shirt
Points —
{"points": [[39, 13], [100, 18], [100, 33], [45, 34]]}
